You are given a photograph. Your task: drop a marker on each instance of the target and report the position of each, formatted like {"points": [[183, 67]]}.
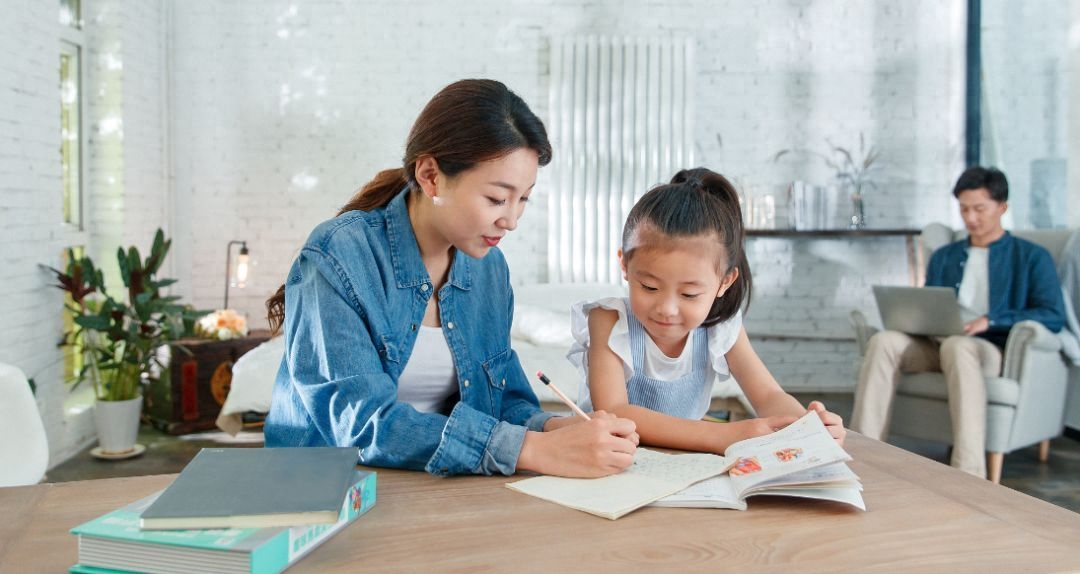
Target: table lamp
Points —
{"points": [[240, 273]]}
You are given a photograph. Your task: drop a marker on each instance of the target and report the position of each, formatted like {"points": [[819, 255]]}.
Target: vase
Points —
{"points": [[117, 424], [858, 216]]}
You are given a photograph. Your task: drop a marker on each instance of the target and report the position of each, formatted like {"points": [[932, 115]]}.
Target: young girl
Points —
{"points": [[652, 357]]}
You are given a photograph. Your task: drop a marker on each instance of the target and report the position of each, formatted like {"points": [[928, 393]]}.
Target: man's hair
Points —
{"points": [[978, 177]]}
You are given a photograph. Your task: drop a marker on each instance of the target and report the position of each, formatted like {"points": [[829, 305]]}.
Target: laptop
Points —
{"points": [[929, 311]]}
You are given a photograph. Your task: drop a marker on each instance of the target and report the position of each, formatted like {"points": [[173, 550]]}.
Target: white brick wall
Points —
{"points": [[303, 114], [279, 117], [255, 120], [30, 201]]}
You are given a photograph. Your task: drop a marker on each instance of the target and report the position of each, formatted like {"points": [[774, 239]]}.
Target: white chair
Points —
{"points": [[24, 448], [1026, 403]]}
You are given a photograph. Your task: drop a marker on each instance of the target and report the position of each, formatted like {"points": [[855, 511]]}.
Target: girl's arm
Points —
{"points": [[768, 398], [607, 387], [757, 383]]}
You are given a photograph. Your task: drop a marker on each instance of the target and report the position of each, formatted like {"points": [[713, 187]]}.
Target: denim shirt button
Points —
{"points": [[450, 325], [413, 326], [504, 382], [424, 287], [466, 383]]}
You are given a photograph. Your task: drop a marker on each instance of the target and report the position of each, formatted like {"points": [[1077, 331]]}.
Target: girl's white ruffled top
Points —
{"points": [[721, 337]]}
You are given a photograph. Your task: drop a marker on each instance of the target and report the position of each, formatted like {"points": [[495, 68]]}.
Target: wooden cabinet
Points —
{"points": [[187, 397]]}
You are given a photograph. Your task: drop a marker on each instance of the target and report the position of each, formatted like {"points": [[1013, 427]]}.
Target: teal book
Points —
{"points": [[115, 543], [255, 488]]}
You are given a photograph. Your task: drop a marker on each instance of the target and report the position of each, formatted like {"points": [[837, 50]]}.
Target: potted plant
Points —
{"points": [[120, 336]]}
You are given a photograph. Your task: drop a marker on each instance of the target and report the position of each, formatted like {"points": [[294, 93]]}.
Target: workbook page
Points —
{"points": [[653, 475], [802, 445]]}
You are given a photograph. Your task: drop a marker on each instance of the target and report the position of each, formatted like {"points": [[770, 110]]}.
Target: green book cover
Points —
{"points": [[114, 541]]}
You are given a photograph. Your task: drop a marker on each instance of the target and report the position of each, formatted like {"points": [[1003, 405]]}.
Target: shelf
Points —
{"points": [[792, 233], [914, 255]]}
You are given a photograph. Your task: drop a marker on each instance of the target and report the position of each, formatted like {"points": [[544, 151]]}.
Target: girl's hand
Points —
{"points": [[587, 449], [833, 422]]}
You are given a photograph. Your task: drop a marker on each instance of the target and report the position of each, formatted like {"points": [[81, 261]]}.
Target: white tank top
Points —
{"points": [[429, 377]]}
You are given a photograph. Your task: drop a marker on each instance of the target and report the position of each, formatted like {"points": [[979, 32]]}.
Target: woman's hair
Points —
{"points": [[697, 202], [467, 122]]}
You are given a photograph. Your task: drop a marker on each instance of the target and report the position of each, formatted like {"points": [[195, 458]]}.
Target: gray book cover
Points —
{"points": [[223, 485]]}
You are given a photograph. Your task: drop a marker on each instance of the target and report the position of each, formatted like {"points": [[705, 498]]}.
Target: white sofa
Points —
{"points": [[540, 335]]}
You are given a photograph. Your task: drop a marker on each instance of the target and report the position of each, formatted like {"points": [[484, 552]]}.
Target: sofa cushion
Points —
{"points": [[999, 391]]}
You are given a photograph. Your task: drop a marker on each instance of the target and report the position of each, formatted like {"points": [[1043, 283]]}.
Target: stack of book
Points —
{"points": [[232, 510]]}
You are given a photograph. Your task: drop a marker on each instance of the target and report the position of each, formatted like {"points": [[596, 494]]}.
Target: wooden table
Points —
{"points": [[923, 516]]}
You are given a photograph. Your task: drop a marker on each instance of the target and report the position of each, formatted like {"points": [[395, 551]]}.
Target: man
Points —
{"points": [[999, 280]]}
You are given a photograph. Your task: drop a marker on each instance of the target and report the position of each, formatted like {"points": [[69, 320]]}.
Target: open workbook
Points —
{"points": [[800, 460]]}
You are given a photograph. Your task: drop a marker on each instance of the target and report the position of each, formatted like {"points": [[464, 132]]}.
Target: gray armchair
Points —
{"points": [[1025, 404]]}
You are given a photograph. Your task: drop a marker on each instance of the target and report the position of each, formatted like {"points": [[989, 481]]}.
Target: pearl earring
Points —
{"points": [[436, 200]]}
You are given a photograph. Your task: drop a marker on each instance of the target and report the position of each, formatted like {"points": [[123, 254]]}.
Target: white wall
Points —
{"points": [[281, 113]]}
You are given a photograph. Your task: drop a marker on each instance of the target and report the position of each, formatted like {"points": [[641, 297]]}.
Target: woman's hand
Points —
{"points": [[833, 422], [585, 449], [555, 423]]}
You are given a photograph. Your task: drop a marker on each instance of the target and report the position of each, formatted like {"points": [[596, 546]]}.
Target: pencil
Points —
{"points": [[543, 379]]}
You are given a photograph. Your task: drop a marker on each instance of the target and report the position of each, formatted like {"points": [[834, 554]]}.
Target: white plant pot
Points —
{"points": [[117, 425]]}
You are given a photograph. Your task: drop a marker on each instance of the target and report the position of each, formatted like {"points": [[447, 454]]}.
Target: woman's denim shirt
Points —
{"points": [[354, 301]]}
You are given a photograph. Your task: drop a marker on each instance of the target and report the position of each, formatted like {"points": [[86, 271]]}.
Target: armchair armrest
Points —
{"points": [[1024, 337], [863, 331]]}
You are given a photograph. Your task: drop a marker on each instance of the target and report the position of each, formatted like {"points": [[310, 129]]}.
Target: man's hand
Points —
{"points": [[977, 326]]}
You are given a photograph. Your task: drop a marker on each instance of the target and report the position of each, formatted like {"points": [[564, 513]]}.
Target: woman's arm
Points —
{"points": [[607, 387], [336, 382]]}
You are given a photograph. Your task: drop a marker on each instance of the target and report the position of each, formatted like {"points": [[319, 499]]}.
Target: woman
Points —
{"points": [[397, 312]]}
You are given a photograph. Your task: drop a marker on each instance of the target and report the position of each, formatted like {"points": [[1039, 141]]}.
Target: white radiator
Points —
{"points": [[621, 122]]}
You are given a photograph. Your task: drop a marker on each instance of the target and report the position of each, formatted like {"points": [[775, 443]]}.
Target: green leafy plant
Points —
{"points": [[120, 336]]}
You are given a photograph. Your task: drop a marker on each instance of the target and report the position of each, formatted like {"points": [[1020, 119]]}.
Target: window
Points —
{"points": [[71, 132], [1025, 108], [71, 14], [72, 148]]}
